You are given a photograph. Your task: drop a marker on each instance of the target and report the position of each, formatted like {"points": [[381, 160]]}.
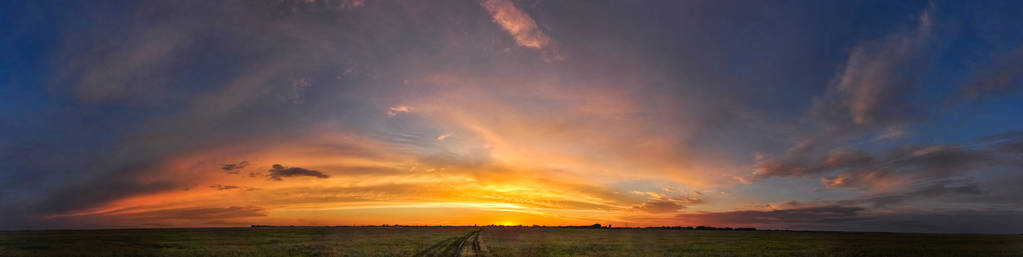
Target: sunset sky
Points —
{"points": [[820, 115]]}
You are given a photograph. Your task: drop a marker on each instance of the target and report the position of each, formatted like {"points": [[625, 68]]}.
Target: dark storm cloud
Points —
{"points": [[280, 171]]}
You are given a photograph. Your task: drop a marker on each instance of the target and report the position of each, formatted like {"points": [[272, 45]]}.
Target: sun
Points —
{"points": [[507, 223]]}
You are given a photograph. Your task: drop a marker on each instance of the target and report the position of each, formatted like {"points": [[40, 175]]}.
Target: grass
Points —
{"points": [[635, 242], [495, 242]]}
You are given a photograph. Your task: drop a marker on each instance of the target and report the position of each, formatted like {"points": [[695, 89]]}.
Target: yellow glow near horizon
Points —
{"points": [[507, 223]]}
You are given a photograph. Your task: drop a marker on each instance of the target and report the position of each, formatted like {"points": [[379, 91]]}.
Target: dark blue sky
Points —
{"points": [[847, 115]]}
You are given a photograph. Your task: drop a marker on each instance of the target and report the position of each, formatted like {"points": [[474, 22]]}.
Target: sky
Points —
{"points": [[902, 116]]}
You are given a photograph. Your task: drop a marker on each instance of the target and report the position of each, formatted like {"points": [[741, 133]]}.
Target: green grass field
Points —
{"points": [[494, 241]]}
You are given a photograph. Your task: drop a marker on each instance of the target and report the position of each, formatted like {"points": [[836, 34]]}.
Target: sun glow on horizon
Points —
{"points": [[507, 223]]}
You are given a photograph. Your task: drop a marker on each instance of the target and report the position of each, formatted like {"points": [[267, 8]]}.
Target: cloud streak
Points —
{"points": [[659, 207], [279, 172], [808, 215], [877, 79], [234, 168], [858, 169], [850, 218], [521, 27], [1003, 76]]}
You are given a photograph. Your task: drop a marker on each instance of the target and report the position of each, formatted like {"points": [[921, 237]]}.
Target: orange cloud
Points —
{"points": [[521, 27], [395, 110]]}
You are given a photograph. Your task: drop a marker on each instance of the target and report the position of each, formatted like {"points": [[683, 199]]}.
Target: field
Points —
{"points": [[495, 242]]}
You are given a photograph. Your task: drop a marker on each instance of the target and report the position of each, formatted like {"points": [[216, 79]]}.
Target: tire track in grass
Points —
{"points": [[455, 247], [476, 248], [435, 249]]}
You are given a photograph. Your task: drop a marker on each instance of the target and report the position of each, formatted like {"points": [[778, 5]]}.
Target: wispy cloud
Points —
{"points": [[871, 95], [779, 218], [444, 136], [859, 169], [220, 187], [521, 26], [395, 110], [234, 168], [659, 206], [854, 218], [324, 4], [875, 82], [1004, 76]]}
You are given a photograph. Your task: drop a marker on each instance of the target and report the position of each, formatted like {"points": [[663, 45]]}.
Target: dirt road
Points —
{"points": [[466, 245]]}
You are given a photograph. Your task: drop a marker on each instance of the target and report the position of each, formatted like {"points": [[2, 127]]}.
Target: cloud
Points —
{"points": [[132, 70], [280, 171], [852, 218], [873, 92], [331, 5], [521, 27], [660, 206], [858, 169], [671, 201], [444, 136], [116, 184], [197, 214], [766, 167], [200, 216], [875, 88], [1008, 135], [395, 110], [878, 76], [220, 187], [955, 188], [344, 4], [892, 132], [229, 187], [1004, 76], [1010, 142], [234, 168], [807, 215]]}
